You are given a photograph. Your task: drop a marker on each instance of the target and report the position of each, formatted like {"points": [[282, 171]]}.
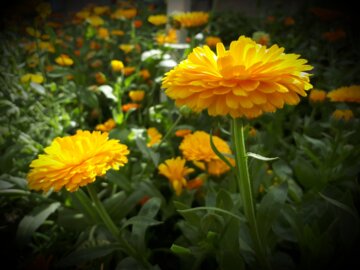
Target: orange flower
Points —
{"points": [[145, 74], [124, 13], [138, 23], [129, 106], [317, 95], [96, 63], [345, 115], [129, 70], [238, 81], [154, 136], [103, 33], [137, 95], [107, 126], [261, 38], [94, 45], [333, 36], [117, 33], [345, 94], [211, 41], [195, 183], [182, 132], [100, 77], [289, 21], [169, 37], [192, 19]]}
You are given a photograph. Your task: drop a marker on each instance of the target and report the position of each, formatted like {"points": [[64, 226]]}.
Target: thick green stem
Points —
{"points": [[245, 187], [114, 229]]}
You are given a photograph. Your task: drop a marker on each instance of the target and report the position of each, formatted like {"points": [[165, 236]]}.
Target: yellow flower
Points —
{"points": [[345, 115], [317, 95], [175, 171], [64, 60], [154, 136], [246, 80], [99, 10], [29, 77], [169, 37], [33, 60], [83, 14], [107, 126], [126, 48], [117, 65], [211, 41], [157, 19], [346, 94], [191, 19], [103, 33], [75, 161], [32, 32], [196, 147], [182, 132], [124, 13], [117, 32], [136, 95], [46, 46], [95, 20]]}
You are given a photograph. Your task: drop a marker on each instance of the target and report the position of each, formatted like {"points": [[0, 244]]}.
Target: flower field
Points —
{"points": [[135, 139]]}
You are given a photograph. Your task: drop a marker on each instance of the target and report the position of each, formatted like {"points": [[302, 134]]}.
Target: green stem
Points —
{"points": [[114, 229], [245, 188], [170, 130]]}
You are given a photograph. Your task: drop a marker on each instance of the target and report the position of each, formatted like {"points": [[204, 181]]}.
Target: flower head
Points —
{"points": [[154, 136], [345, 115], [211, 41], [191, 19], [346, 94], [157, 19], [248, 79], [29, 77], [175, 171], [317, 95], [129, 106], [107, 126], [126, 48], [117, 65], [169, 37], [196, 147], [136, 95], [95, 20], [75, 161], [64, 60], [124, 13]]}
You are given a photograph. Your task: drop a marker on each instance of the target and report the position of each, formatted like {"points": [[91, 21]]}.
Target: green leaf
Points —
{"points": [[141, 221], [270, 207], [218, 153], [260, 157], [340, 205], [30, 223], [113, 204], [87, 254], [180, 250], [147, 152], [224, 200], [38, 88], [211, 209]]}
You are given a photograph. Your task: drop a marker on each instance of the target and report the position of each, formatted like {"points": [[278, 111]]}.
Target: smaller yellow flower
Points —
{"points": [[154, 136], [33, 61], [33, 32], [95, 20], [191, 19], [117, 65], [99, 10], [211, 41], [29, 77], [103, 33], [46, 46], [345, 94], [317, 95], [64, 60], [157, 20], [136, 95], [117, 33], [175, 171], [345, 115], [83, 14], [126, 48], [124, 13], [107, 126], [169, 37]]}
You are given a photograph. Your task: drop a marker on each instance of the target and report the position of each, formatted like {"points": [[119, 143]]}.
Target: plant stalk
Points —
{"points": [[245, 188]]}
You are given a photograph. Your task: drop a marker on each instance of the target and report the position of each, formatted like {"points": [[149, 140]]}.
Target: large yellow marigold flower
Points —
{"points": [[175, 171], [196, 147], [157, 19], [154, 136], [246, 80], [346, 94], [191, 19], [75, 161]]}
